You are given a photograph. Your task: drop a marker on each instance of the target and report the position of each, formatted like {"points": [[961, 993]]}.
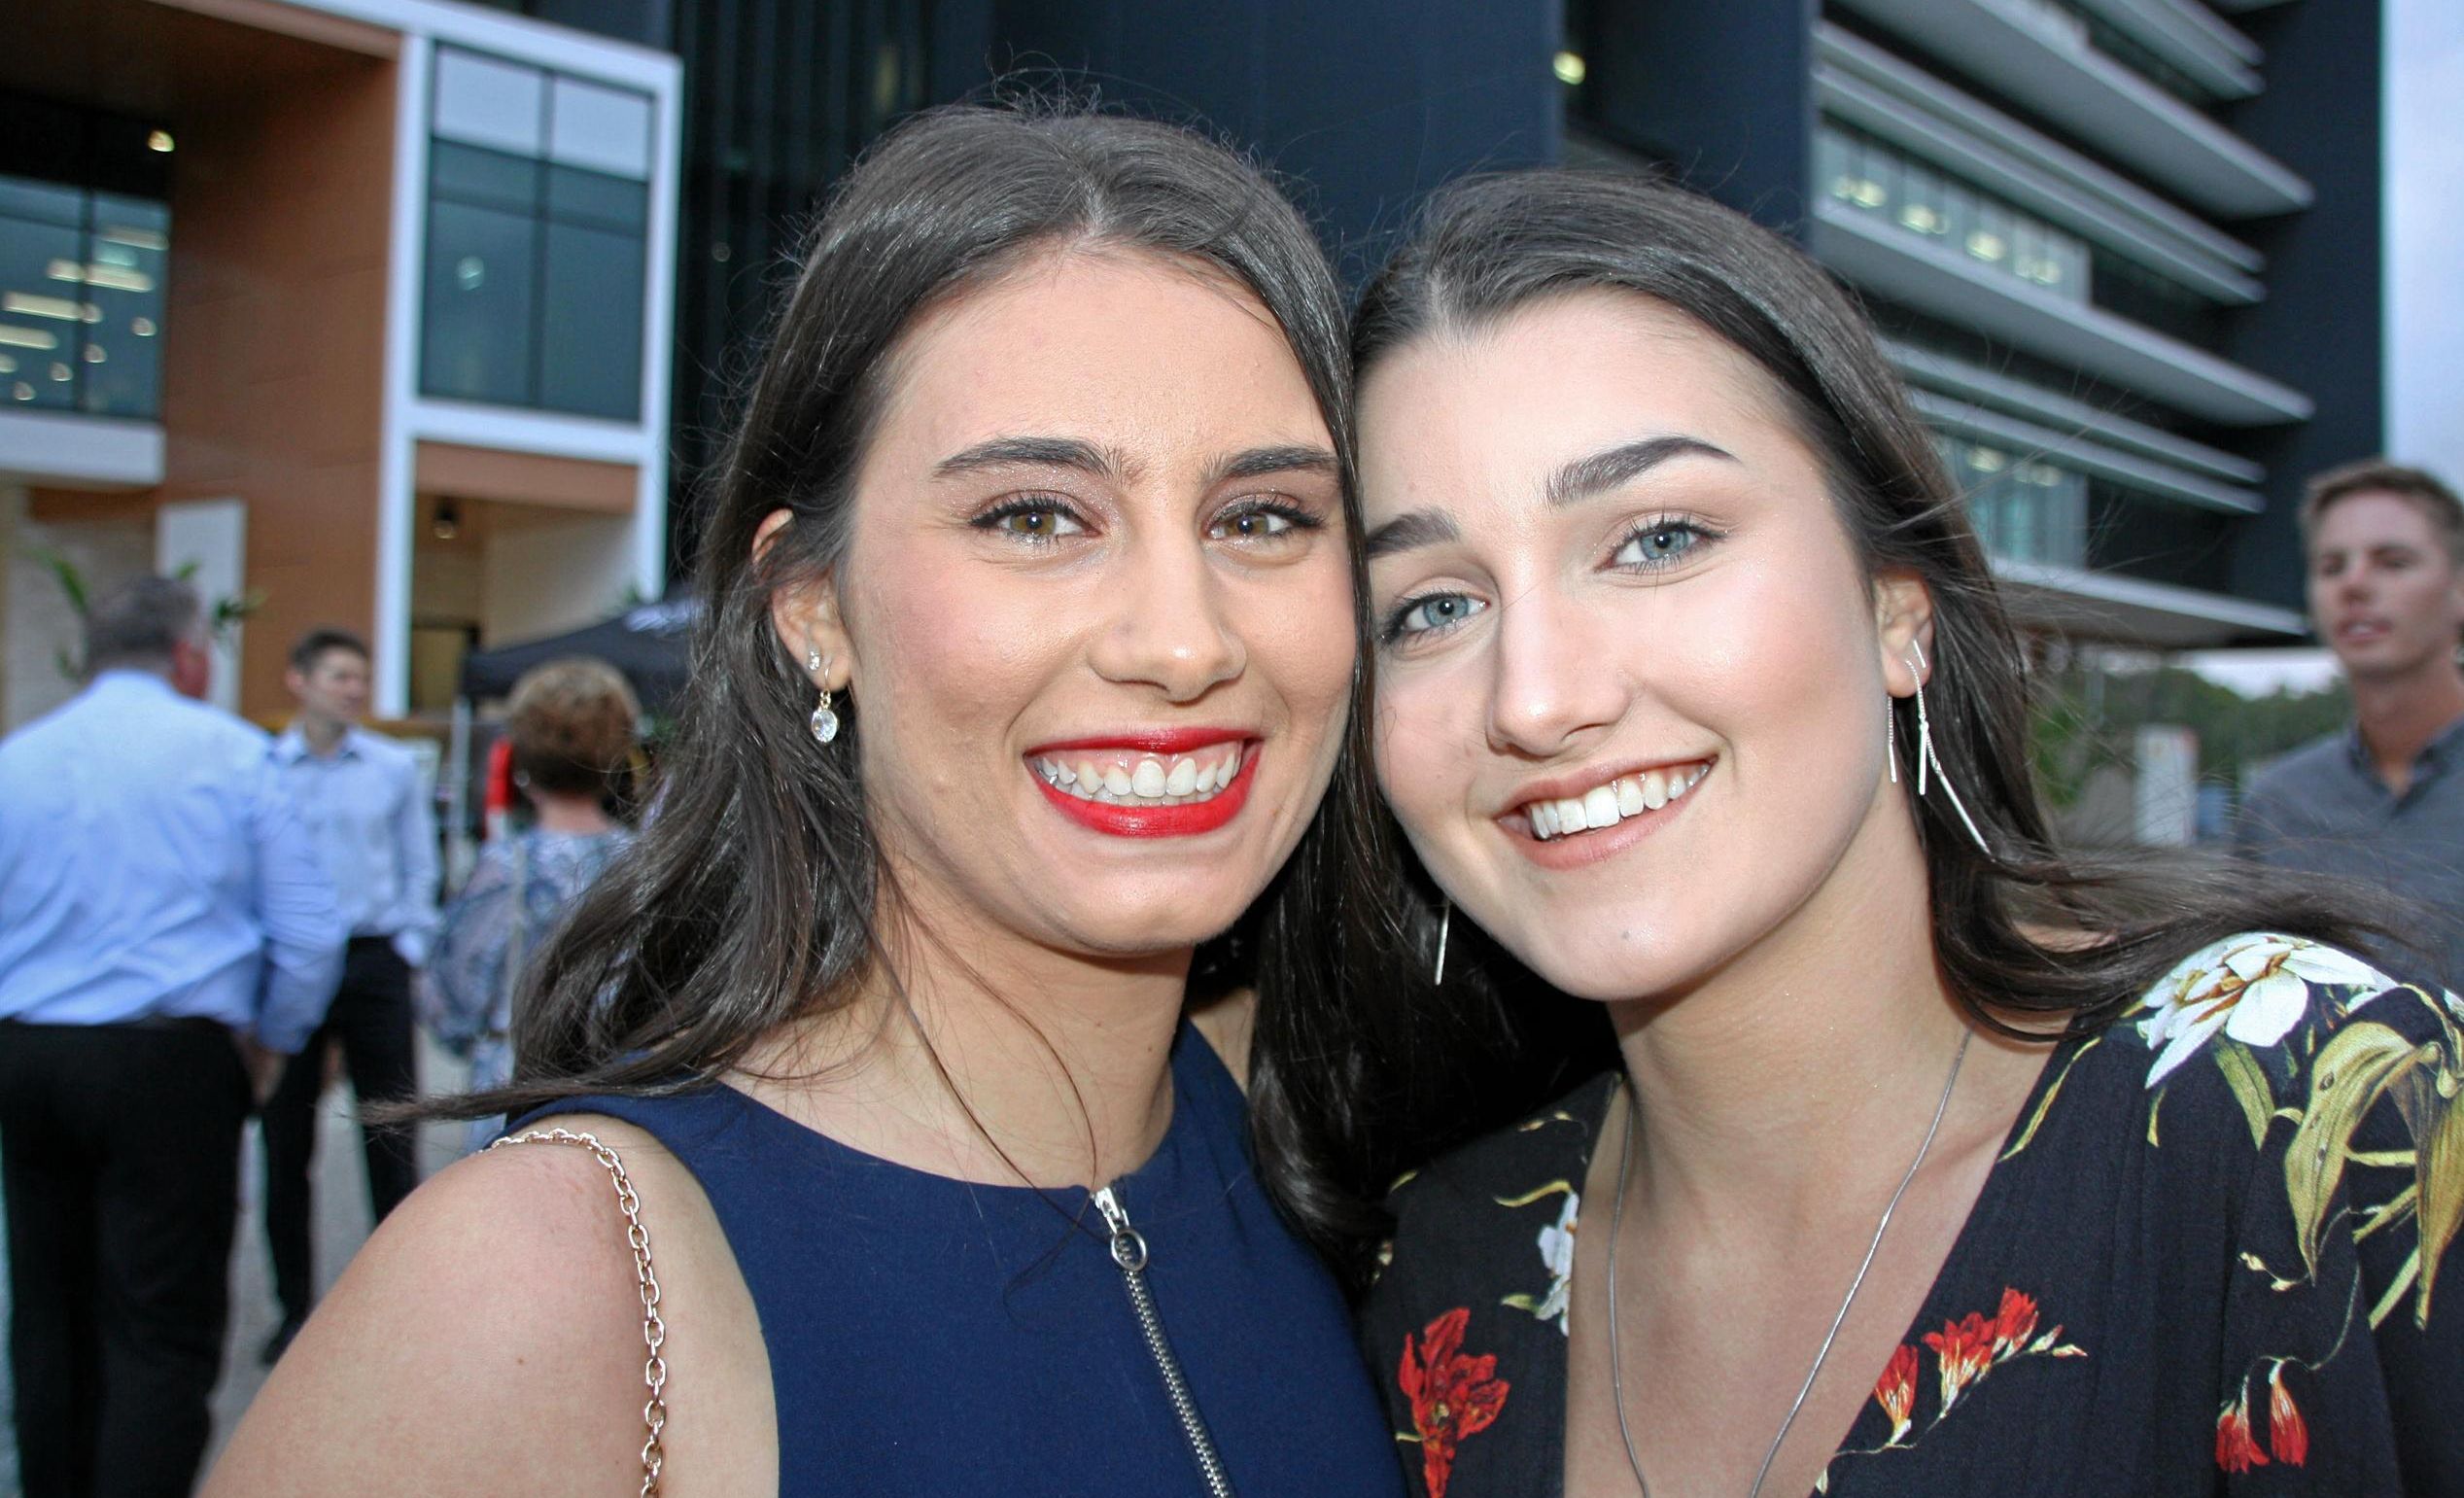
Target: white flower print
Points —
{"points": [[2252, 986], [1557, 1251]]}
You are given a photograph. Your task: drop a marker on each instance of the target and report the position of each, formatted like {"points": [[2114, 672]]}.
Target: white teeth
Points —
{"points": [[1600, 807], [1605, 806], [1183, 778]]}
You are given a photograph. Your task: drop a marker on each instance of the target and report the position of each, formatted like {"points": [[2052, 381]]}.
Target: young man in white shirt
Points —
{"points": [[366, 809]]}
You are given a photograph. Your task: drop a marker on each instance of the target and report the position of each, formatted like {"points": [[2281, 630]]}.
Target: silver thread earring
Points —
{"points": [[1928, 759], [1446, 926], [825, 722]]}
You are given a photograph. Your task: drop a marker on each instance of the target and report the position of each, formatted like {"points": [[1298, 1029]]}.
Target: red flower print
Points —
{"points": [[1966, 1349], [2236, 1450], [2015, 1325], [2286, 1430], [1453, 1396], [1897, 1392]]}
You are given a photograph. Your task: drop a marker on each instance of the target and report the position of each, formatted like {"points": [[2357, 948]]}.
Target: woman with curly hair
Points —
{"points": [[572, 727]]}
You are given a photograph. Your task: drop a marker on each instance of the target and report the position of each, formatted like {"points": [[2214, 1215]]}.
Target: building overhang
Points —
{"points": [[1859, 84], [2109, 608], [1947, 284], [2034, 60], [55, 450]]}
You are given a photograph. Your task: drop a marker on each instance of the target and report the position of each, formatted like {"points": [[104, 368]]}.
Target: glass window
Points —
{"points": [[492, 178], [591, 335], [537, 254], [476, 340], [128, 259], [611, 202], [486, 101], [603, 129], [42, 319], [1923, 199]]}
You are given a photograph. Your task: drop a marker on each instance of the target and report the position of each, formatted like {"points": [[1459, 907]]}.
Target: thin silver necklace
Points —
{"points": [[1617, 1231]]}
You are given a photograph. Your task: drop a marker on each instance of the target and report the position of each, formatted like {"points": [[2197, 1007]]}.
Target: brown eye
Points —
{"points": [[1259, 522], [1034, 521]]}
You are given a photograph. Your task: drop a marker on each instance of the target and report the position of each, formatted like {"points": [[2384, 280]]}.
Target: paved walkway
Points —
{"points": [[341, 1226]]}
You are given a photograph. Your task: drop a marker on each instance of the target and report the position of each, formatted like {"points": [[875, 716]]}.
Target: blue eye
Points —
{"points": [[1035, 519], [1431, 613], [1659, 543]]}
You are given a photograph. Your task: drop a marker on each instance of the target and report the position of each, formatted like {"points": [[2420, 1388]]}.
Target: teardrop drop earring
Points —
{"points": [[825, 720]]}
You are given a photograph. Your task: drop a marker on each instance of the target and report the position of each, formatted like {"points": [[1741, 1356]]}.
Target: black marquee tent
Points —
{"points": [[647, 643]]}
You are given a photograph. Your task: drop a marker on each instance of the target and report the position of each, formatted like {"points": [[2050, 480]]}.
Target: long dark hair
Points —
{"points": [[2029, 931], [750, 899]]}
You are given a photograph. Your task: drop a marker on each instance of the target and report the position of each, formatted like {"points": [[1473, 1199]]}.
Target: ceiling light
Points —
{"points": [[22, 391], [134, 238], [448, 522], [1569, 68], [61, 307], [142, 326], [94, 354], [118, 278], [28, 337], [158, 140]]}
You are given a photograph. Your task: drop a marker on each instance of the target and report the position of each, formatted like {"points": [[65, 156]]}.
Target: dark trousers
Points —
{"points": [[119, 1153], [372, 1018]]}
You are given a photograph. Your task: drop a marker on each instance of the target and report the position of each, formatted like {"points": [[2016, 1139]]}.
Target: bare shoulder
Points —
{"points": [[489, 1338]]}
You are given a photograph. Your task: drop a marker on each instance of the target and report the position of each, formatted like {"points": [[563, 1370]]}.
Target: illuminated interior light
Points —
{"points": [[62, 372], [1569, 68], [142, 326], [117, 278], [60, 307], [8, 366], [22, 391], [94, 354], [134, 238], [28, 337], [158, 140]]}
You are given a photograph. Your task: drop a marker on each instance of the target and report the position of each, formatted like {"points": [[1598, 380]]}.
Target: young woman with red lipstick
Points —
{"points": [[1929, 1158], [859, 1096]]}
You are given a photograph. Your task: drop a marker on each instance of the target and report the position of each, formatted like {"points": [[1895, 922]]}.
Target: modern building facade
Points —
{"points": [[357, 308], [2128, 253]]}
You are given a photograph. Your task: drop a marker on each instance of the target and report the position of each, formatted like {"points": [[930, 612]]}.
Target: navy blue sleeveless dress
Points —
{"points": [[928, 1335]]}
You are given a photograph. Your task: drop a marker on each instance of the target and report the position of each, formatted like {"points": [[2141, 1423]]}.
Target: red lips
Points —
{"points": [[1189, 819]]}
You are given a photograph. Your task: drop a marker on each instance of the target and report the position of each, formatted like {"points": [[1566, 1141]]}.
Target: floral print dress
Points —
{"points": [[2215, 1255]]}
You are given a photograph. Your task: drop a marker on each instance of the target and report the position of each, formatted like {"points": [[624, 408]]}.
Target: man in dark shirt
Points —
{"points": [[2381, 801]]}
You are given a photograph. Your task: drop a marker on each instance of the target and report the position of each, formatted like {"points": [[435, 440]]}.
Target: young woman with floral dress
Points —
{"points": [[1937, 1161]]}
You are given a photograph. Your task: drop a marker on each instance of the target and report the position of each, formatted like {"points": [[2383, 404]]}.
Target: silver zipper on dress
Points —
{"points": [[1128, 1250]]}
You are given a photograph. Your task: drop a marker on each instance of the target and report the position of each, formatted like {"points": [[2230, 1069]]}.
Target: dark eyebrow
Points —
{"points": [[1604, 470], [1411, 532], [1258, 462], [1050, 452]]}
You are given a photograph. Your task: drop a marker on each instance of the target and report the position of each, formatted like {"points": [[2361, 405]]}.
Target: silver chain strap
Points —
{"points": [[654, 1327]]}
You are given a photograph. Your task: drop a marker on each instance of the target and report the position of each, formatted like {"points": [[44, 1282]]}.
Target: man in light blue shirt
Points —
{"points": [[165, 930], [367, 808]]}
